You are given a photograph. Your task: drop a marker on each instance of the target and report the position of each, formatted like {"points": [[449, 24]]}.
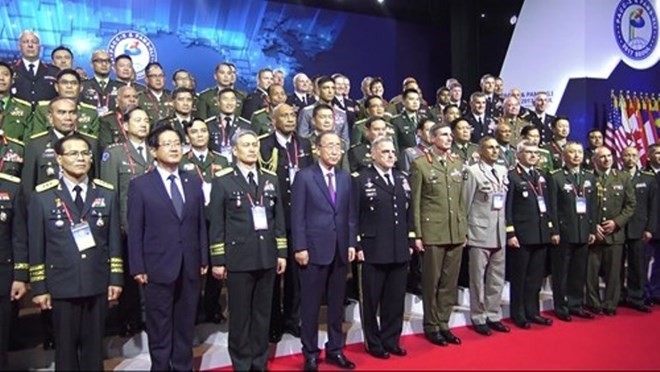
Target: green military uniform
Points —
{"points": [[40, 159], [507, 156], [110, 129], [546, 163], [208, 169], [359, 132], [262, 122], [155, 108], [88, 120], [405, 128], [12, 156], [359, 157], [469, 152], [175, 123], [555, 151], [516, 124], [15, 116], [440, 221], [616, 201], [207, 103]]}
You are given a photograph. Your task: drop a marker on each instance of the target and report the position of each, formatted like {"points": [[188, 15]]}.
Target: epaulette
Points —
{"points": [[40, 134], [10, 178], [47, 185], [396, 116], [244, 119], [647, 173], [269, 172], [590, 171], [212, 118], [87, 105], [555, 171], [355, 145], [22, 101], [113, 145], [214, 153], [263, 136], [206, 90], [259, 111], [14, 140], [103, 184], [224, 172], [541, 149], [614, 172], [43, 103], [108, 114], [87, 135], [355, 174], [360, 121]]}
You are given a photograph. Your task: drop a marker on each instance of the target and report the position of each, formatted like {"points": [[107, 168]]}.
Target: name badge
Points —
{"points": [[580, 205], [259, 218], [102, 110], [498, 201], [82, 234], [226, 152], [206, 189], [292, 173], [540, 200]]}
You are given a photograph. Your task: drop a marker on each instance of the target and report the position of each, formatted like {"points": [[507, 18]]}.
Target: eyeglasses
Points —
{"points": [[98, 60], [159, 76], [77, 154], [170, 144]]}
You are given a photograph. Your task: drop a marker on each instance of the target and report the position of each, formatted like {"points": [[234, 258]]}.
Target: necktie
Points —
{"points": [[177, 198], [532, 174], [331, 188], [388, 180], [304, 100], [102, 83], [139, 150], [201, 158], [481, 122], [495, 175], [31, 69], [227, 121], [252, 184], [78, 199]]}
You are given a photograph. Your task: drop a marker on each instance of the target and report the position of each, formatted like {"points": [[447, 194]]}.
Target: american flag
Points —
{"points": [[617, 138]]}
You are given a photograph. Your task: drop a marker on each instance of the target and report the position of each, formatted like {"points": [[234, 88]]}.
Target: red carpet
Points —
{"points": [[628, 341]]}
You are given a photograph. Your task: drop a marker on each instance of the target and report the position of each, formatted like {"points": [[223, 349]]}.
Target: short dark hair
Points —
{"points": [[454, 123], [272, 86], [154, 135], [179, 70], [152, 64], [68, 71], [59, 144], [451, 105], [182, 90], [324, 79], [189, 124], [217, 67], [124, 56], [367, 102], [371, 120], [409, 91], [375, 81], [594, 130], [61, 47], [319, 138], [421, 123], [440, 90], [319, 107], [8, 66], [126, 116], [554, 121], [227, 90], [524, 132]]}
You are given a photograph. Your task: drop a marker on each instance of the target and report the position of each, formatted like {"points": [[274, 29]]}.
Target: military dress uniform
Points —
{"points": [[175, 123], [644, 219], [469, 152], [529, 219], [439, 219], [359, 132], [516, 124], [409, 155], [88, 121], [12, 156], [573, 199], [249, 249], [253, 102], [76, 276], [386, 233], [207, 102], [286, 161], [405, 127], [13, 253], [546, 163], [101, 99], [221, 130], [111, 129], [616, 201], [555, 150], [507, 156], [157, 109], [262, 122], [359, 157], [15, 113], [37, 86], [542, 122]]}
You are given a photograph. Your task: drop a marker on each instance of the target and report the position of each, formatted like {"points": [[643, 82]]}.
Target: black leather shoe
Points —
{"points": [[311, 364], [340, 361], [274, 337], [415, 290], [639, 307], [654, 300], [216, 318], [594, 310], [49, 344], [609, 312], [522, 324], [582, 314], [498, 326], [293, 330], [537, 319], [482, 329], [450, 337], [398, 351], [563, 317], [436, 338], [380, 354]]}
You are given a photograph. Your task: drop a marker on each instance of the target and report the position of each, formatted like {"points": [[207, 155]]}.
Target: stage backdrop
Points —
{"points": [[198, 34], [579, 50]]}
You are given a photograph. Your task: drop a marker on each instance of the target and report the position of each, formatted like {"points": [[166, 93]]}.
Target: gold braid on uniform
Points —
{"points": [[271, 164], [38, 273], [116, 265]]}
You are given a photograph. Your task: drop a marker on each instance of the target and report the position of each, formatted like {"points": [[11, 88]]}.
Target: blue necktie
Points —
{"points": [[177, 199]]}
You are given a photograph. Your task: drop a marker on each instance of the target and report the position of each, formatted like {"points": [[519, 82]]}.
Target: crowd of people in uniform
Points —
{"points": [[111, 190]]}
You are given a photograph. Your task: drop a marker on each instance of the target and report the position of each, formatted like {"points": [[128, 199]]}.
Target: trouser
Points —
{"points": [[569, 272], [440, 267], [634, 275], [526, 271], [486, 284], [607, 258]]}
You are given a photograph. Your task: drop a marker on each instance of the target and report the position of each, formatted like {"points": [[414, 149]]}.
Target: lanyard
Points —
{"points": [[538, 190], [98, 100], [68, 214], [261, 200], [120, 121], [131, 164], [223, 128], [575, 190], [295, 151]]}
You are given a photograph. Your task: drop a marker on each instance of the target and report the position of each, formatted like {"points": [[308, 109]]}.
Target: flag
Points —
{"points": [[616, 136]]}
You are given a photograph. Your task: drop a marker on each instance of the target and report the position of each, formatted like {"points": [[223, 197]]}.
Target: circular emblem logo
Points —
{"points": [[136, 45], [636, 28]]}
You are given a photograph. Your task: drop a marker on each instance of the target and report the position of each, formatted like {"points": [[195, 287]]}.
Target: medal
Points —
{"points": [[50, 171], [3, 216], [59, 223], [99, 222], [238, 202]]}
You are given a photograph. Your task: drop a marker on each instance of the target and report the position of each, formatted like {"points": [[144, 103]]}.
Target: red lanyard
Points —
{"points": [[295, 151], [98, 100], [68, 214], [131, 164], [261, 200], [223, 128], [2, 161], [538, 190], [555, 147], [120, 122]]}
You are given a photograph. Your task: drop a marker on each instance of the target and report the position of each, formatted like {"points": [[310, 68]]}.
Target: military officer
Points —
{"points": [[424, 142], [405, 124], [541, 119], [503, 135], [440, 228], [111, 125], [561, 128], [124, 72], [156, 100], [326, 94], [75, 255], [616, 205], [33, 77], [40, 158], [223, 126], [640, 229], [208, 105], [531, 133], [183, 100], [15, 112], [248, 248], [359, 156], [461, 146], [67, 85], [12, 155], [652, 288], [528, 231], [120, 163], [100, 91], [385, 228], [375, 107], [259, 98], [511, 116], [285, 153], [595, 140], [323, 119], [262, 121], [13, 255], [572, 194]]}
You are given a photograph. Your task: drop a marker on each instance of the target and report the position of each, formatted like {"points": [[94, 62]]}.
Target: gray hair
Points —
{"points": [[379, 140], [522, 145], [241, 133]]}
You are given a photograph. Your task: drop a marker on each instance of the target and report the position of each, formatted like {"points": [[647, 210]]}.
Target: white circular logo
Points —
{"points": [[136, 45], [636, 28]]}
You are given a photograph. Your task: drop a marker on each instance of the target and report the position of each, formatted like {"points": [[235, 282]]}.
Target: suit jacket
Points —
{"points": [[56, 265], [486, 128], [486, 225], [322, 228], [37, 87], [385, 222], [298, 104], [13, 234], [563, 188], [160, 241], [645, 217]]}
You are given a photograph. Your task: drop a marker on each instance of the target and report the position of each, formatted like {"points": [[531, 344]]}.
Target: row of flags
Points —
{"points": [[632, 121]]}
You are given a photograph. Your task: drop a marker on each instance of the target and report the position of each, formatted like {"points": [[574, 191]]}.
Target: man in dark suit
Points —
{"points": [[285, 153], [301, 96], [75, 255], [343, 101], [324, 234], [259, 98], [168, 250], [34, 79], [541, 119], [482, 123], [528, 231], [386, 234], [248, 248]]}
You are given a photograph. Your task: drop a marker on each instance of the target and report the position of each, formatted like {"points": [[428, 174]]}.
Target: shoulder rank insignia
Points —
{"points": [[40, 134], [103, 184], [14, 140], [47, 185], [355, 174], [10, 178], [224, 172], [269, 172]]}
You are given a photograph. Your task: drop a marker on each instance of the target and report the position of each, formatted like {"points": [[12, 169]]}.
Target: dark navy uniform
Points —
{"points": [[111, 129], [13, 252], [359, 157], [104, 100], [77, 279], [221, 131], [386, 232], [34, 87], [285, 161], [12, 156], [254, 101], [529, 219], [250, 258]]}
